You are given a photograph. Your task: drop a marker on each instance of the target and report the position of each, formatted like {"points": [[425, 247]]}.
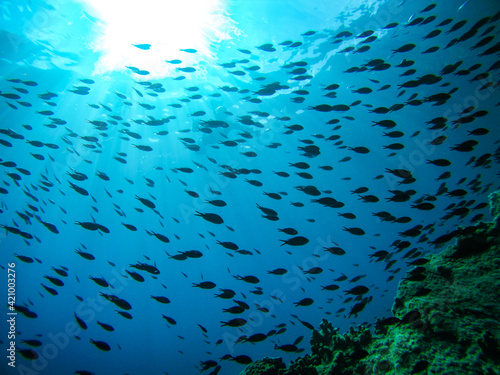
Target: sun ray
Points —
{"points": [[166, 26]]}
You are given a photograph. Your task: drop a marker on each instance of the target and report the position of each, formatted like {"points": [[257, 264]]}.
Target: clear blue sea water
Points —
{"points": [[134, 75]]}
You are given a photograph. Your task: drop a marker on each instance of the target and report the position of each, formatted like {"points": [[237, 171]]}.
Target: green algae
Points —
{"points": [[447, 323]]}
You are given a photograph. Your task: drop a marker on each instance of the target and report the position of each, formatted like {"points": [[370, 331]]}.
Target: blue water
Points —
{"points": [[58, 44]]}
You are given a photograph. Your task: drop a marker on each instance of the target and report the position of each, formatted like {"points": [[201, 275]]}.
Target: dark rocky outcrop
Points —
{"points": [[444, 323]]}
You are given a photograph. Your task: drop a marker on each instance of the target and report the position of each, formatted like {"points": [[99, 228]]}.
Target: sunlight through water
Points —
{"points": [[161, 29]]}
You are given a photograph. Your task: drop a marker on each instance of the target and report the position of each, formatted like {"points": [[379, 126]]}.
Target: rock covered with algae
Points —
{"points": [[266, 366], [446, 319]]}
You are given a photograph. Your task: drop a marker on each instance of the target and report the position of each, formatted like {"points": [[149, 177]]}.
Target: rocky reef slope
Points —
{"points": [[446, 319]]}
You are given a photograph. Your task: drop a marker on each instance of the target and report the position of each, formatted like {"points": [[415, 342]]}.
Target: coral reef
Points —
{"points": [[336, 351], [446, 319], [266, 366]]}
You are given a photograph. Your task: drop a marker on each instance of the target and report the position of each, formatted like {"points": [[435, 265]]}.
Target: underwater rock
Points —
{"points": [[445, 323], [266, 366], [302, 366], [339, 351], [495, 204]]}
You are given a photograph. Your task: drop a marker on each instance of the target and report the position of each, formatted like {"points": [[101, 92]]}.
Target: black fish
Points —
{"points": [[210, 217], [358, 290], [80, 322], [121, 303], [101, 345], [304, 302], [106, 327], [161, 299], [295, 241], [205, 285]]}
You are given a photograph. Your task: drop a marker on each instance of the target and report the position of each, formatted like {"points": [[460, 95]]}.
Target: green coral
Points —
{"points": [[339, 352], [266, 366], [302, 366], [452, 328], [495, 204]]}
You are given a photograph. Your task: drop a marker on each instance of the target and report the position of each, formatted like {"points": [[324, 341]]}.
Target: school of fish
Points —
{"points": [[251, 184]]}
